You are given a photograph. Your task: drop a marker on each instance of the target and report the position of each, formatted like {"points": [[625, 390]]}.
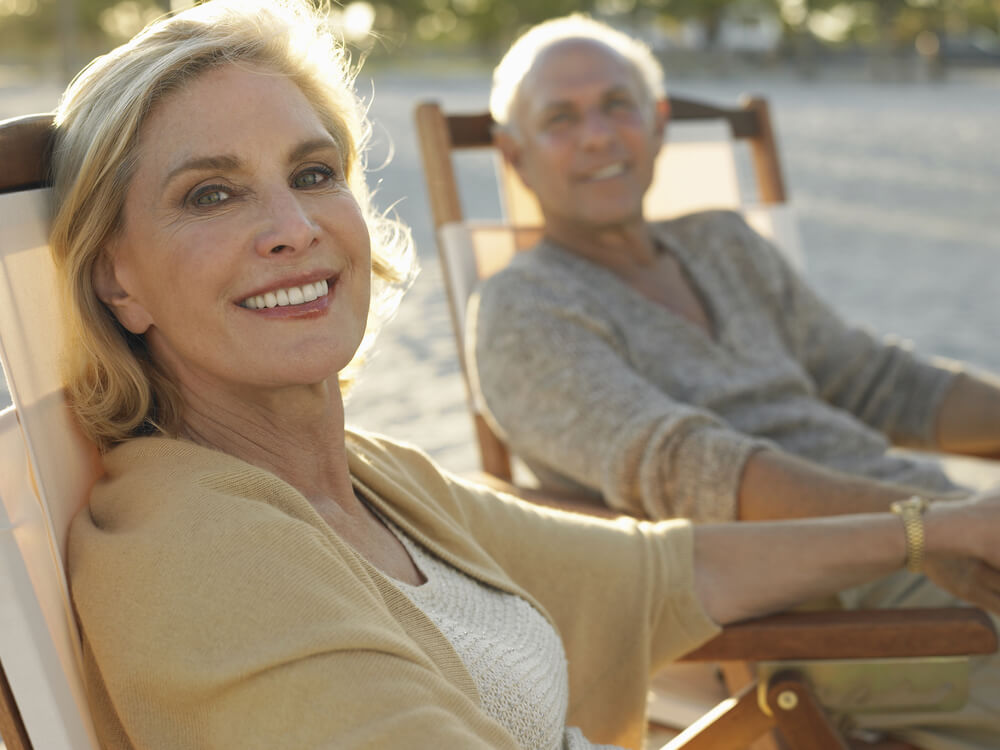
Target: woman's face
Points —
{"points": [[243, 258]]}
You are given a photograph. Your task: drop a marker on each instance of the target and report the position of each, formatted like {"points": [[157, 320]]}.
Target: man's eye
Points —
{"points": [[211, 195], [312, 177]]}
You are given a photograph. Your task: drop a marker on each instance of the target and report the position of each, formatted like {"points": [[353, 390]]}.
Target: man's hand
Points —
{"points": [[971, 580], [963, 553]]}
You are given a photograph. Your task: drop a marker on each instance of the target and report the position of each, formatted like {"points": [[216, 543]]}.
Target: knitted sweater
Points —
{"points": [[594, 384], [218, 610]]}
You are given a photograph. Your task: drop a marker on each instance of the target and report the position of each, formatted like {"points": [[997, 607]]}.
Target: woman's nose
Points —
{"points": [[288, 227]]}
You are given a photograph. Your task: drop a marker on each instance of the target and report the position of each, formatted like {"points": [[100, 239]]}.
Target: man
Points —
{"points": [[681, 368]]}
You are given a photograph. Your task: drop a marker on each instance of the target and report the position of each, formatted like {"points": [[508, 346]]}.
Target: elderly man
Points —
{"points": [[681, 368]]}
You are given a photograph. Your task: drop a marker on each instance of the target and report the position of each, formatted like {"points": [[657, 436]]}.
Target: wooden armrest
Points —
{"points": [[858, 634], [826, 634]]}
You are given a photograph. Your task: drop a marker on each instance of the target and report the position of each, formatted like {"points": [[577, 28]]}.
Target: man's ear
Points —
{"points": [[661, 116], [114, 293], [509, 147]]}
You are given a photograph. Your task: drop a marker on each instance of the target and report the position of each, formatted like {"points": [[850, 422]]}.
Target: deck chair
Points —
{"points": [[701, 140], [46, 469], [701, 146]]}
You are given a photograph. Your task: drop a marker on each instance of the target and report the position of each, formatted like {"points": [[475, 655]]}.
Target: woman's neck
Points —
{"points": [[295, 433]]}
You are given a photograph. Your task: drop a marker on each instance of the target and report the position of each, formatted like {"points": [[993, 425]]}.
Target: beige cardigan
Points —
{"points": [[218, 610]]}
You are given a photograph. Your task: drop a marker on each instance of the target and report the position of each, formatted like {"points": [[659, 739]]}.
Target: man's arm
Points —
{"points": [[968, 420], [778, 485]]}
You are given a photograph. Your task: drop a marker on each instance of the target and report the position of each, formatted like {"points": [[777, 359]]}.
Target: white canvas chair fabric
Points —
{"points": [[46, 471]]}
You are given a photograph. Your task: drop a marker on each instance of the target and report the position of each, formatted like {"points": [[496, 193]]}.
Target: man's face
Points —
{"points": [[588, 136]]}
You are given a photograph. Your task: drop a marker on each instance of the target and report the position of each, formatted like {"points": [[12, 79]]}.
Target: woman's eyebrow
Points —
{"points": [[218, 163], [311, 146]]}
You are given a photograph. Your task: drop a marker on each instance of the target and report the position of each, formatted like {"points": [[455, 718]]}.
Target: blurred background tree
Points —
{"points": [[59, 34]]}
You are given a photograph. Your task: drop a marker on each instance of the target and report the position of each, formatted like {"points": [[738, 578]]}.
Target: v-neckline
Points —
{"points": [[685, 264]]}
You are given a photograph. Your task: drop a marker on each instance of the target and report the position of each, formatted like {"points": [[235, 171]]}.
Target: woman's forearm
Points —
{"points": [[750, 569]]}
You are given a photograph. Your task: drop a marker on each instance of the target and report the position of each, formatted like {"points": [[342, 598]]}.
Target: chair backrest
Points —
{"points": [[697, 168], [46, 466]]}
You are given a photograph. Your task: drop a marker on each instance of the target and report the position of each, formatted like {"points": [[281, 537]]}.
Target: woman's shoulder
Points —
{"points": [[155, 481], [169, 515]]}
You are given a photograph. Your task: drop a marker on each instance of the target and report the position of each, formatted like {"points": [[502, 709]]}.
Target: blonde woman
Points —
{"points": [[250, 573]]}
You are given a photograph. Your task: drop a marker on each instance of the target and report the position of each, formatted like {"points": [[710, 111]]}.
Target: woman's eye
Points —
{"points": [[211, 196], [312, 176]]}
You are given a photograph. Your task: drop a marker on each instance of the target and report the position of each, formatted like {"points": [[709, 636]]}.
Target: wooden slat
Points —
{"points": [[476, 131], [742, 123], [858, 634], [436, 143], [12, 729], [21, 140], [764, 152], [802, 722], [733, 723]]}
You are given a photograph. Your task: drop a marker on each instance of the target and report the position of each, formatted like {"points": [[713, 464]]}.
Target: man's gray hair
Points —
{"points": [[520, 58]]}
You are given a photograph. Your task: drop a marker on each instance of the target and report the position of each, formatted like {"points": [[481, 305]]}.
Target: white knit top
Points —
{"points": [[514, 655]]}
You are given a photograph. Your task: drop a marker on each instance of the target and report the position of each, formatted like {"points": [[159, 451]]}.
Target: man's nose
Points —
{"points": [[596, 128]]}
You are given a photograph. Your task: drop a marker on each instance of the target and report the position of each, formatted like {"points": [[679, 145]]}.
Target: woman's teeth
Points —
{"points": [[293, 295]]}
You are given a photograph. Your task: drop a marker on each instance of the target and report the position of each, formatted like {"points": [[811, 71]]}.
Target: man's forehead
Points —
{"points": [[573, 64]]}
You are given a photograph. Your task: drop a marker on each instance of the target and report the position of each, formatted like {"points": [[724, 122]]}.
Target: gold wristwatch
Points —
{"points": [[912, 510]]}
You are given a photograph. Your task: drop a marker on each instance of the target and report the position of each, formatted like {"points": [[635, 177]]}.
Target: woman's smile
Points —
{"points": [[290, 295]]}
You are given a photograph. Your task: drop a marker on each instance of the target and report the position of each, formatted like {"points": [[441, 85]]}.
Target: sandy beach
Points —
{"points": [[895, 187]]}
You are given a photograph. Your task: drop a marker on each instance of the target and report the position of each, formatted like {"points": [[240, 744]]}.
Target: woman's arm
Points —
{"points": [[749, 569]]}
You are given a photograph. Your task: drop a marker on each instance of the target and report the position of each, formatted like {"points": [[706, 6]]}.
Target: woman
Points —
{"points": [[249, 573]]}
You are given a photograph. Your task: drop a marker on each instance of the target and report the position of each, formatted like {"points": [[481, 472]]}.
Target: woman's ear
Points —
{"points": [[107, 280]]}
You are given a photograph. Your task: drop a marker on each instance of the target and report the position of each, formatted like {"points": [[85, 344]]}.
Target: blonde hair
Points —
{"points": [[509, 74], [113, 384]]}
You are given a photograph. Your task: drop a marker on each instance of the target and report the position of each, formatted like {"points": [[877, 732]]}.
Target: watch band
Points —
{"points": [[911, 511]]}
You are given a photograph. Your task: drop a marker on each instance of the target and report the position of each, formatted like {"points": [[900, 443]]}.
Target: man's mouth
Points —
{"points": [[293, 295], [612, 170]]}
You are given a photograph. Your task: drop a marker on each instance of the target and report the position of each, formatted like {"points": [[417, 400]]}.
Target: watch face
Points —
{"points": [[916, 503]]}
